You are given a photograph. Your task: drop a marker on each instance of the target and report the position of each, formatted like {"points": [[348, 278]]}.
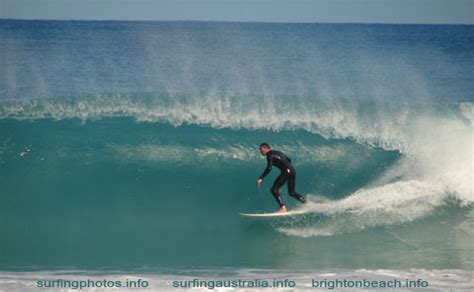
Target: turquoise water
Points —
{"points": [[133, 146]]}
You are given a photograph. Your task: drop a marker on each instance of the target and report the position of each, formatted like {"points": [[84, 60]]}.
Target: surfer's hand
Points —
{"points": [[259, 181]]}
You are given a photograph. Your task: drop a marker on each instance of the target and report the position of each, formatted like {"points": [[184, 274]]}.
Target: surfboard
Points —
{"points": [[275, 214]]}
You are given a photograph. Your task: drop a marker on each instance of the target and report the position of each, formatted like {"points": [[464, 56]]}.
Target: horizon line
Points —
{"points": [[230, 21]]}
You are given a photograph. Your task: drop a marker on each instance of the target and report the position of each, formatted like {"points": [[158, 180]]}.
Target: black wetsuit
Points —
{"points": [[280, 160]]}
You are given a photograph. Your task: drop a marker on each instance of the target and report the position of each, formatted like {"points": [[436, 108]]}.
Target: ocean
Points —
{"points": [[128, 149]]}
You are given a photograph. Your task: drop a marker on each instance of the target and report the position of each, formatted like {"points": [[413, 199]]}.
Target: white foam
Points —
{"points": [[437, 280], [395, 203]]}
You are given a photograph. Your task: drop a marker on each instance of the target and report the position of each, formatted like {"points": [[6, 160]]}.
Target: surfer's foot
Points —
{"points": [[282, 210]]}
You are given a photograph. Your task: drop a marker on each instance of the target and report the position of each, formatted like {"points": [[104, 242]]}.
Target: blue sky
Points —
{"points": [[367, 11]]}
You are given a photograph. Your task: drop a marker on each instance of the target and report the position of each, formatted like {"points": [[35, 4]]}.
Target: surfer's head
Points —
{"points": [[264, 148]]}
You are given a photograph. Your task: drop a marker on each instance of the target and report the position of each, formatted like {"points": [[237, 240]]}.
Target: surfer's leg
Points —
{"points": [[276, 186], [291, 189]]}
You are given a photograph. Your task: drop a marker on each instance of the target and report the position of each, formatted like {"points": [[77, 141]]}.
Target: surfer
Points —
{"points": [[287, 174]]}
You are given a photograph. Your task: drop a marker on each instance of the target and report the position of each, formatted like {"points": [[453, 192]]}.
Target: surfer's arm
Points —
{"points": [[269, 167]]}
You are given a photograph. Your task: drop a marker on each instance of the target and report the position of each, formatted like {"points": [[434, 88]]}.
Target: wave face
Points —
{"points": [[142, 136]]}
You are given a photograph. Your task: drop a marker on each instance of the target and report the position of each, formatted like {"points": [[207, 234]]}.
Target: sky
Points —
{"points": [[345, 11]]}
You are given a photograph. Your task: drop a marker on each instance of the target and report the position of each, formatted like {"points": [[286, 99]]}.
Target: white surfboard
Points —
{"points": [[276, 214]]}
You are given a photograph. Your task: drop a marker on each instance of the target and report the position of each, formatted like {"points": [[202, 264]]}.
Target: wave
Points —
{"points": [[435, 142]]}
